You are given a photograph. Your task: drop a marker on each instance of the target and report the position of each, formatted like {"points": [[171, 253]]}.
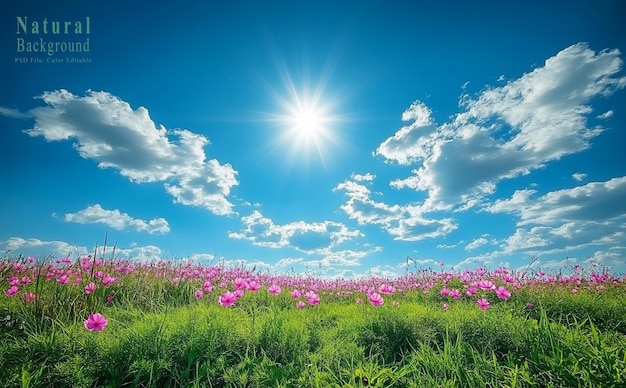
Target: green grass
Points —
{"points": [[160, 335]]}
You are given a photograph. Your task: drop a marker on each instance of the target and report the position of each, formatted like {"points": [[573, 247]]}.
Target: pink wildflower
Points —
{"points": [[11, 291], [96, 322], [312, 298], [483, 304], [29, 297], [376, 299], [296, 294], [63, 279], [395, 303], [253, 285], [238, 293], [199, 294], [274, 289], [386, 289], [445, 306], [227, 299], [175, 281], [359, 301], [600, 288], [300, 304], [574, 290], [108, 280], [486, 285], [89, 288], [110, 298], [529, 305], [471, 291], [208, 287], [455, 294], [240, 283], [503, 293]]}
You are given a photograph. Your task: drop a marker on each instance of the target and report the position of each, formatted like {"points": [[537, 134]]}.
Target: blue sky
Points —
{"points": [[341, 138]]}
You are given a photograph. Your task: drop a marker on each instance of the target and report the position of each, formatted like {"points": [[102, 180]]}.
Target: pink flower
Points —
{"points": [[359, 301], [274, 289], [574, 290], [11, 291], [199, 294], [444, 292], [483, 304], [108, 280], [227, 299], [96, 322], [471, 291], [238, 293], [63, 279], [240, 283], [300, 304], [529, 305], [600, 288], [503, 293], [455, 294], [175, 281], [89, 288], [445, 306], [395, 303], [29, 297], [386, 289], [109, 298], [296, 294], [312, 298], [486, 285], [376, 299], [208, 287], [253, 285]]}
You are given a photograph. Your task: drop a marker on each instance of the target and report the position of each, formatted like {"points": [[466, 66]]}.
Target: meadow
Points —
{"points": [[95, 322]]}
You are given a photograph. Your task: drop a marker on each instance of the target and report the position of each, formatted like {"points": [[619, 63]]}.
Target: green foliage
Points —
{"points": [[159, 334]]}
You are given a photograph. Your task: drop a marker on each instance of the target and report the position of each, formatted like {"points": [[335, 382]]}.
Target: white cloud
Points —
{"points": [[579, 176], [606, 115], [114, 218], [594, 201], [363, 177], [107, 130], [404, 222], [505, 131], [476, 243], [305, 237], [14, 113], [40, 249]]}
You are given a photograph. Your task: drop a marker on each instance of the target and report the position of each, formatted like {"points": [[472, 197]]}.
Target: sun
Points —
{"points": [[307, 124]]}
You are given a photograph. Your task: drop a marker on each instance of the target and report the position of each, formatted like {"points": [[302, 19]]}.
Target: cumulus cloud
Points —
{"points": [[594, 201], [579, 176], [404, 222], [43, 249], [479, 242], [303, 236], [606, 115], [504, 131], [16, 246], [106, 129], [95, 214]]}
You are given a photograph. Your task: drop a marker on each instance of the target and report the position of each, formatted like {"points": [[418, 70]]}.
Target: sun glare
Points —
{"points": [[306, 118]]}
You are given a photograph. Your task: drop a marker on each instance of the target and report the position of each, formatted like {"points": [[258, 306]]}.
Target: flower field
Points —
{"points": [[91, 322]]}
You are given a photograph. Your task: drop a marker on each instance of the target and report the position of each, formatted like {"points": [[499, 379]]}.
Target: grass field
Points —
{"points": [[115, 323]]}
